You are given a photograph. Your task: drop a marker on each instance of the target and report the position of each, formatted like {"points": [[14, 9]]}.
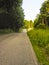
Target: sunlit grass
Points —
{"points": [[40, 42]]}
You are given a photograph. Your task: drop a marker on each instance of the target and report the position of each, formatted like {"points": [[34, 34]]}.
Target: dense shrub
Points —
{"points": [[41, 26], [47, 49]]}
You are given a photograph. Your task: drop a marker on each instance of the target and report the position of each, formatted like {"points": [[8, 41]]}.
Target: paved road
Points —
{"points": [[15, 49]]}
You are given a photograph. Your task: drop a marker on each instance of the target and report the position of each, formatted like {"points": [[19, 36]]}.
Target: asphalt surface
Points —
{"points": [[16, 49]]}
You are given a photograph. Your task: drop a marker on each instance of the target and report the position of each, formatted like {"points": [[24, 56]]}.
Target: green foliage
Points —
{"points": [[31, 24], [11, 14], [47, 49], [8, 4], [5, 31], [35, 22], [40, 42], [40, 37], [43, 16], [44, 11], [28, 24], [45, 7], [41, 26], [38, 20]]}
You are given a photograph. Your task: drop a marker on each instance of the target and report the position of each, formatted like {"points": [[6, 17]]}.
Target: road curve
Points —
{"points": [[15, 49]]}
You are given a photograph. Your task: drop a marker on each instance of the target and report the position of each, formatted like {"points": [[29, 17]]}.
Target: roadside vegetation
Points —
{"points": [[40, 41], [12, 20], [28, 24], [39, 35], [11, 15], [6, 31]]}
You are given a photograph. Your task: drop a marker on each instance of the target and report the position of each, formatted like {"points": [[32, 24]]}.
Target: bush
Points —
{"points": [[41, 26], [47, 50], [6, 31]]}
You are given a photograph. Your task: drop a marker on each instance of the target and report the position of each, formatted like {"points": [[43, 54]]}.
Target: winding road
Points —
{"points": [[16, 49]]}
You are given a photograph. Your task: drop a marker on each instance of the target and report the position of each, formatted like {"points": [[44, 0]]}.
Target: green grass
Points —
{"points": [[40, 42], [5, 31]]}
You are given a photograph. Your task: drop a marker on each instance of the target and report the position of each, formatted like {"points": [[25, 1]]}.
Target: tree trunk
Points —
{"points": [[43, 20]]}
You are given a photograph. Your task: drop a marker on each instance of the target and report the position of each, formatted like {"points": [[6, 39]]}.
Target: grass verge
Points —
{"points": [[40, 42], [5, 31]]}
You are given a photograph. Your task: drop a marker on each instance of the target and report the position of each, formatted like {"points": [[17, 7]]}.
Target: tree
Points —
{"points": [[11, 13], [8, 4], [37, 20], [43, 16], [45, 12], [31, 24], [26, 24]]}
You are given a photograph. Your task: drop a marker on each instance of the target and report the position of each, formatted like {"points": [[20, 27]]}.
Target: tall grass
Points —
{"points": [[40, 42]]}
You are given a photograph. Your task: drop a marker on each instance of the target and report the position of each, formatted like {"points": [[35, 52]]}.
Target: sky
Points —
{"points": [[31, 8]]}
